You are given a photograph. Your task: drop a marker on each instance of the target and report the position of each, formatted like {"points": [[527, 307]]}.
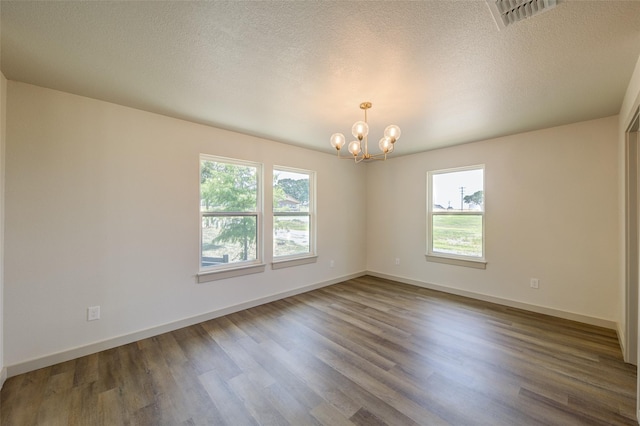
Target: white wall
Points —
{"points": [[551, 213], [3, 128], [102, 209]]}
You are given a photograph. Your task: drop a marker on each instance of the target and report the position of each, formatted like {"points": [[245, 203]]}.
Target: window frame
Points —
{"points": [[229, 270], [285, 261], [450, 258]]}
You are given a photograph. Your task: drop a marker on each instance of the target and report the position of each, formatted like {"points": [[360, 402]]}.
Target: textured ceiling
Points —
{"points": [[296, 72]]}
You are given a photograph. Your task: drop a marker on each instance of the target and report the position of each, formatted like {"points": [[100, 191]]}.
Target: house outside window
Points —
{"points": [[455, 215], [293, 213], [230, 213]]}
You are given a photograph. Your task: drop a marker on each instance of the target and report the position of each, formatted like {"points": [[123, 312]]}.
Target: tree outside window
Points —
{"points": [[229, 211]]}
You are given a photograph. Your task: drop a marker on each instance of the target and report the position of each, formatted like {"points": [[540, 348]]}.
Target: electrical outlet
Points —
{"points": [[332, 264], [535, 283], [93, 313], [397, 260]]}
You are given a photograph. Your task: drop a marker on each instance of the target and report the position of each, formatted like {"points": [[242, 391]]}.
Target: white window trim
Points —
{"points": [[280, 262], [204, 277], [451, 260], [447, 258], [235, 269]]}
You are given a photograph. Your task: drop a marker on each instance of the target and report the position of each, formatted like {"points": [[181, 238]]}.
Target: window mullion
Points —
{"points": [[291, 214], [228, 214]]}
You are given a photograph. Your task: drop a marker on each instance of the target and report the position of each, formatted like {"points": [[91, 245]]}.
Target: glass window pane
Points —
{"points": [[457, 234], [291, 235], [226, 187], [290, 191], [458, 191], [228, 239]]}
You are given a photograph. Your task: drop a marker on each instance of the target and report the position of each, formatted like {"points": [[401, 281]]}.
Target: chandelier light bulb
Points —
{"points": [[385, 145], [360, 130], [354, 148], [392, 132], [337, 141]]}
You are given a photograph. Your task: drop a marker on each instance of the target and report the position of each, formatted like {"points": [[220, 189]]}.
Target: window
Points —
{"points": [[230, 213], [293, 214], [455, 216]]}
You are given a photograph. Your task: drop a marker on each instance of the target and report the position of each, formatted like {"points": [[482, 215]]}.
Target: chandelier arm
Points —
{"points": [[349, 157], [360, 158], [345, 157], [380, 156]]}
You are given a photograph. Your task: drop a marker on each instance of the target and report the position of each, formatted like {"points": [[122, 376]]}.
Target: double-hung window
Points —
{"points": [[455, 216], [230, 213], [293, 214]]}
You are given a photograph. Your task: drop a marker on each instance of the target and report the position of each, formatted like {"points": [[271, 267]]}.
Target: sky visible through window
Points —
{"points": [[281, 174], [449, 189]]}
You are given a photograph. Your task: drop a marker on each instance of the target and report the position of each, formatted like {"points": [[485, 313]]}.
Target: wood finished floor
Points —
{"points": [[367, 352]]}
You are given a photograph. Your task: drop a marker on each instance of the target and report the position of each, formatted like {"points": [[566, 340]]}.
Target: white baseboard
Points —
{"points": [[55, 358], [600, 322], [3, 377], [622, 341]]}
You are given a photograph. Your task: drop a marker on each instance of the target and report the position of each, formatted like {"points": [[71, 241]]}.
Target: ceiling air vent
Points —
{"points": [[507, 12]]}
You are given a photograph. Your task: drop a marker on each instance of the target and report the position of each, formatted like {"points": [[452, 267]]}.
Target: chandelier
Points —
{"points": [[359, 148]]}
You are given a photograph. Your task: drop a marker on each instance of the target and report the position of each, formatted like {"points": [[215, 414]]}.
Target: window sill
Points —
{"points": [[477, 264], [287, 263], [204, 277]]}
